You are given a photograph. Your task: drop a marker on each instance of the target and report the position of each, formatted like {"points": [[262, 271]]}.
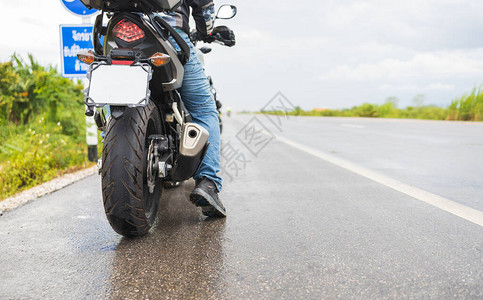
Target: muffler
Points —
{"points": [[192, 150], [193, 139]]}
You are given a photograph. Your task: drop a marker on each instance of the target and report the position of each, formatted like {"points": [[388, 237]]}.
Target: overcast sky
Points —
{"points": [[319, 53]]}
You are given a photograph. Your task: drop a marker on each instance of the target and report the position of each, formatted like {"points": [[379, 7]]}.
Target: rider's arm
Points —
{"points": [[204, 15]]}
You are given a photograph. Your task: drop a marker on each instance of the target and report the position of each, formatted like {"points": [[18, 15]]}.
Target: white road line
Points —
{"points": [[450, 206]]}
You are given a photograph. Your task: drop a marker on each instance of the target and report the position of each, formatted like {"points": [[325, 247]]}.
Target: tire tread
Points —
{"points": [[122, 176]]}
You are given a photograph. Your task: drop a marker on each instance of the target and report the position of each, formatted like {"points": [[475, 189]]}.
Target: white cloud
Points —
{"points": [[417, 88], [33, 27], [440, 87], [420, 66]]}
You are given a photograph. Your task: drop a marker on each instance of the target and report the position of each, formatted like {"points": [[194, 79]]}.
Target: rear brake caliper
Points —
{"points": [[158, 160]]}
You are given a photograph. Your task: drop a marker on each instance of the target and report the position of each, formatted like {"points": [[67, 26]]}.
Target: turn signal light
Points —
{"points": [[159, 59], [86, 57]]}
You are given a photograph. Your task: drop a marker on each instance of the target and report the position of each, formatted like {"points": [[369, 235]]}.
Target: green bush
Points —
{"points": [[42, 125], [467, 108]]}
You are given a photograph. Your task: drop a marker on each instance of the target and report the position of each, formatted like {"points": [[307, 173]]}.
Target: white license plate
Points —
{"points": [[119, 85]]}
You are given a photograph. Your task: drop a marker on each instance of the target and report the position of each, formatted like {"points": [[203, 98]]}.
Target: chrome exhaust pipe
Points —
{"points": [[193, 139], [192, 149]]}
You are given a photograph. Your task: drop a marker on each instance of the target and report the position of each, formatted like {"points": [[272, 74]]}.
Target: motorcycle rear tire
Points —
{"points": [[130, 208]]}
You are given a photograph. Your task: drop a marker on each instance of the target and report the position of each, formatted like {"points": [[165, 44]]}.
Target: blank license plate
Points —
{"points": [[119, 85]]}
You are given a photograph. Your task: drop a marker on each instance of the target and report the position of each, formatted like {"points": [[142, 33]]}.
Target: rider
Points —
{"points": [[199, 102]]}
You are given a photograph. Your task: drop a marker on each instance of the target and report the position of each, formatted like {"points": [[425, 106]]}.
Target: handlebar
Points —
{"points": [[216, 38], [225, 42]]}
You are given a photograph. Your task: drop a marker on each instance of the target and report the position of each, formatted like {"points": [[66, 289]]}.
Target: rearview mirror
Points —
{"points": [[226, 11]]}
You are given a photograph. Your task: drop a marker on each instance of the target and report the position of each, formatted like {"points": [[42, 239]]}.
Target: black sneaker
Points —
{"points": [[205, 195]]}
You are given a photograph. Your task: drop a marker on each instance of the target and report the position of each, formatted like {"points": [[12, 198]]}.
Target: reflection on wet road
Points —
{"points": [[182, 256], [297, 227]]}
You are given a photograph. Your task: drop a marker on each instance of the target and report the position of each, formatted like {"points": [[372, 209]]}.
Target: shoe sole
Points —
{"points": [[212, 209]]}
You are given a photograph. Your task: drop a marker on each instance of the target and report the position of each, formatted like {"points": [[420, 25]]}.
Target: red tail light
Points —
{"points": [[128, 31]]}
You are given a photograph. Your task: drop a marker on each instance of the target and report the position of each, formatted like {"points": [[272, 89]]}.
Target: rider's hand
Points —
{"points": [[208, 38], [197, 36], [220, 33]]}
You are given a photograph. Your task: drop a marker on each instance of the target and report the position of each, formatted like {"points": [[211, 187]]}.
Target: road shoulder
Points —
{"points": [[44, 189]]}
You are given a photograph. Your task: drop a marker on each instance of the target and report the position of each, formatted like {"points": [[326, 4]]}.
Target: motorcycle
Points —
{"points": [[149, 135]]}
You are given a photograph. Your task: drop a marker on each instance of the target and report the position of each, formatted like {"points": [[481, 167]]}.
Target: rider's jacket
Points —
{"points": [[203, 13]]}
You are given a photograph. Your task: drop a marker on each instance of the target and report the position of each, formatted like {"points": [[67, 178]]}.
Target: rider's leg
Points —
{"points": [[198, 99]]}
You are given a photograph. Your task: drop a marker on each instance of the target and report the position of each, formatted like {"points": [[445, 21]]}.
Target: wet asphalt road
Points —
{"points": [[298, 226]]}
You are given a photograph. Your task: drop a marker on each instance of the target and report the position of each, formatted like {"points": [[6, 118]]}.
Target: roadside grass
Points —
{"points": [[468, 107], [35, 153], [42, 125]]}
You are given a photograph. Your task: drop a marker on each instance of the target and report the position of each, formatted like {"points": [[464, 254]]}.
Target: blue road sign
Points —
{"points": [[78, 8], [73, 39]]}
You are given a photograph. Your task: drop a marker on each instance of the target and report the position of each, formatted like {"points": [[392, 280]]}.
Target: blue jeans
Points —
{"points": [[198, 99]]}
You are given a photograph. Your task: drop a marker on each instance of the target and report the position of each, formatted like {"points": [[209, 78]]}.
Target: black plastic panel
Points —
{"points": [[132, 5]]}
